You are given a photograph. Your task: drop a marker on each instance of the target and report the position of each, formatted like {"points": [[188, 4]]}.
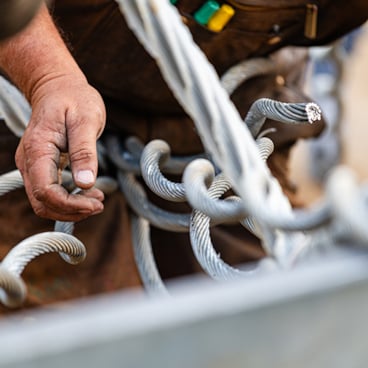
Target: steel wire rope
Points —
{"points": [[154, 156], [138, 201], [12, 289], [203, 248], [144, 256], [130, 152], [245, 70], [199, 175], [157, 152], [10, 181], [150, 162], [196, 175], [69, 248], [14, 108], [174, 165], [159, 28], [291, 113]]}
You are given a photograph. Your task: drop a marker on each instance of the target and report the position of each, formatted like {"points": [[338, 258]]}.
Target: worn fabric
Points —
{"points": [[139, 103]]}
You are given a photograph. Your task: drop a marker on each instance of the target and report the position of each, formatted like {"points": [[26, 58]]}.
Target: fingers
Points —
{"points": [[83, 132], [67, 117], [47, 197]]}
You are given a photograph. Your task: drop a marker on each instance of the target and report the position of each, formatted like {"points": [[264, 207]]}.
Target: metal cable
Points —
{"points": [[137, 200], [196, 86], [174, 165], [14, 108], [13, 291], [203, 248], [231, 146], [10, 181], [198, 171], [245, 70], [290, 113], [199, 175], [154, 155], [144, 257], [70, 249], [123, 160]]}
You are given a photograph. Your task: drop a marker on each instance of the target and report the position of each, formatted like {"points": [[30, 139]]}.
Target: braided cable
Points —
{"points": [[10, 181], [154, 155], [245, 70], [290, 113], [123, 160], [14, 108], [198, 176], [137, 199], [12, 289], [203, 248], [196, 86], [70, 249], [144, 257]]}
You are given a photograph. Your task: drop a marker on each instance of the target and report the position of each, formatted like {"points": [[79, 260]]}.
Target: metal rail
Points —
{"points": [[312, 316]]}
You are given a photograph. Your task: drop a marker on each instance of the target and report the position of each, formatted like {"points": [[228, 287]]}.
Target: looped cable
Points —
{"points": [[245, 70], [70, 249], [198, 176], [13, 289], [137, 199], [203, 248], [154, 155], [123, 160], [10, 181]]}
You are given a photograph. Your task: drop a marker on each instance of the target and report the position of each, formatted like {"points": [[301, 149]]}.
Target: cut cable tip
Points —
{"points": [[313, 111]]}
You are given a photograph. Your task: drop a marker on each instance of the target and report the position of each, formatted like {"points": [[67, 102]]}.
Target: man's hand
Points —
{"points": [[68, 116]]}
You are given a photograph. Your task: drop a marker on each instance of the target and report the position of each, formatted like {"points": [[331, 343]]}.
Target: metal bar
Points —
{"points": [[313, 316]]}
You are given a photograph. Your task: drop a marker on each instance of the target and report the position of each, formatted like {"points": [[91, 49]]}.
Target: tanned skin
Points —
{"points": [[68, 116]]}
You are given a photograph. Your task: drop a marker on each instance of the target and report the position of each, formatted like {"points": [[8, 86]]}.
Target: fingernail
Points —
{"points": [[85, 177]]}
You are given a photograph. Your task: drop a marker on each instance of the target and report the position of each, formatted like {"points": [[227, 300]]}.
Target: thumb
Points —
{"points": [[83, 157]]}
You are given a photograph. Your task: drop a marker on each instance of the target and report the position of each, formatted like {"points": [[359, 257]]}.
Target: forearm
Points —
{"points": [[36, 55]]}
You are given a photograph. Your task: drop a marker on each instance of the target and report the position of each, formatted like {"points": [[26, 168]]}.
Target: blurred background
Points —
{"points": [[352, 90]]}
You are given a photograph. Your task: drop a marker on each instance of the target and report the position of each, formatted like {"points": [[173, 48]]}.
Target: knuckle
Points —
{"points": [[29, 146], [81, 154]]}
